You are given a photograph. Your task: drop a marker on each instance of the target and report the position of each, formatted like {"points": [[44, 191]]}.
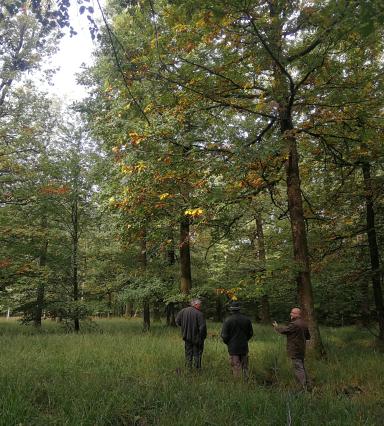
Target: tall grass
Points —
{"points": [[113, 374]]}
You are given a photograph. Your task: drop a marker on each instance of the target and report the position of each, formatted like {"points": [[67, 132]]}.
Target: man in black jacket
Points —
{"points": [[237, 330], [194, 331]]}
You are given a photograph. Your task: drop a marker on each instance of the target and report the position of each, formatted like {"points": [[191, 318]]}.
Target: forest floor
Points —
{"points": [[113, 374]]}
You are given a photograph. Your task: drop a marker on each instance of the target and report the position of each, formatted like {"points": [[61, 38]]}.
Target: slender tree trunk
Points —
{"points": [[75, 247], [156, 312], [265, 315], [365, 313], [219, 308], [171, 321], [109, 303], [129, 310], [143, 263], [40, 292], [171, 259], [185, 256], [373, 248]]}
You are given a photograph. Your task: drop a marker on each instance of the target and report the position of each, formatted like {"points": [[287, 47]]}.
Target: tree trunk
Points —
{"points": [[156, 312], [171, 259], [284, 93], [40, 292], [365, 312], [75, 247], [129, 311], [185, 256], [373, 249], [143, 263], [299, 237], [109, 303], [146, 316], [171, 322], [265, 315], [219, 308]]}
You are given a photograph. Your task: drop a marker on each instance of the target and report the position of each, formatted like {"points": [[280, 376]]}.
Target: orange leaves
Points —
{"points": [[200, 183], [160, 205], [252, 179], [4, 263], [54, 190], [168, 176], [135, 138]]}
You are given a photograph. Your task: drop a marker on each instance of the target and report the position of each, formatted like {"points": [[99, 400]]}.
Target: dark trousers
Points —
{"points": [[193, 354], [299, 371], [239, 364]]}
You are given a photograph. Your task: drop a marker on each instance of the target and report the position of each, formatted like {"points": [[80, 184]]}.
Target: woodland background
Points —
{"points": [[226, 150]]}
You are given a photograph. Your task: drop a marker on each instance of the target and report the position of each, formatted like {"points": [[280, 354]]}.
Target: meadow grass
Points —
{"points": [[113, 374]]}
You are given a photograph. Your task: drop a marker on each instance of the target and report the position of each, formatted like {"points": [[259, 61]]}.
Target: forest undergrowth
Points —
{"points": [[114, 374]]}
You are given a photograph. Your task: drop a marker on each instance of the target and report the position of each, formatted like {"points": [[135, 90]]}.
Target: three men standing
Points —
{"points": [[237, 330], [194, 331], [297, 334]]}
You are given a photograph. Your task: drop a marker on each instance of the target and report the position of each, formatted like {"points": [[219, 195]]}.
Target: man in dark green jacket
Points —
{"points": [[237, 330], [194, 331], [297, 334]]}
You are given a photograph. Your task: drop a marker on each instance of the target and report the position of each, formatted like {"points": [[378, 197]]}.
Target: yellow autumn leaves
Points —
{"points": [[194, 212]]}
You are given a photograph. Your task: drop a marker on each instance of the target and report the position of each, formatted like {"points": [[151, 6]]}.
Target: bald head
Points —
{"points": [[295, 313], [196, 303]]}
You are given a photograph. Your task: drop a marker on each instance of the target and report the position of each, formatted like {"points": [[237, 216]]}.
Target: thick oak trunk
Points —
{"points": [[300, 243], [284, 93]]}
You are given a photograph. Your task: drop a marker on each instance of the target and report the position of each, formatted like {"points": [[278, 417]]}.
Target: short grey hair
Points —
{"points": [[195, 302]]}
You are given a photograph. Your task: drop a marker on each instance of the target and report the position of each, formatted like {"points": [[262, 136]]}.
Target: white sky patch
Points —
{"points": [[73, 53]]}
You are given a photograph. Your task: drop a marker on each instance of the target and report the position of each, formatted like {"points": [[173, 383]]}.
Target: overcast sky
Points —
{"points": [[73, 52]]}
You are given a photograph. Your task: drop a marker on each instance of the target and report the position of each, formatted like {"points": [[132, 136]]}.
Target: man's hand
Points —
{"points": [[275, 324]]}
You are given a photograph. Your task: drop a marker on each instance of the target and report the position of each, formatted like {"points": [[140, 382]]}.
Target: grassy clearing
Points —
{"points": [[113, 374]]}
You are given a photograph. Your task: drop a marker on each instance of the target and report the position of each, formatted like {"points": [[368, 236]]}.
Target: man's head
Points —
{"points": [[196, 303], [295, 313], [234, 307]]}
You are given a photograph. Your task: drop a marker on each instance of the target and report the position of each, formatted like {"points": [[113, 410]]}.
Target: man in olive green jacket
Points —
{"points": [[297, 334]]}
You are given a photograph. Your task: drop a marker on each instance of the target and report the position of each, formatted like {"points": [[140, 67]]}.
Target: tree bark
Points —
{"points": [[171, 321], [156, 312], [373, 248], [171, 259], [219, 308], [284, 93], [265, 315], [185, 256], [143, 263], [299, 237], [40, 292], [75, 247]]}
